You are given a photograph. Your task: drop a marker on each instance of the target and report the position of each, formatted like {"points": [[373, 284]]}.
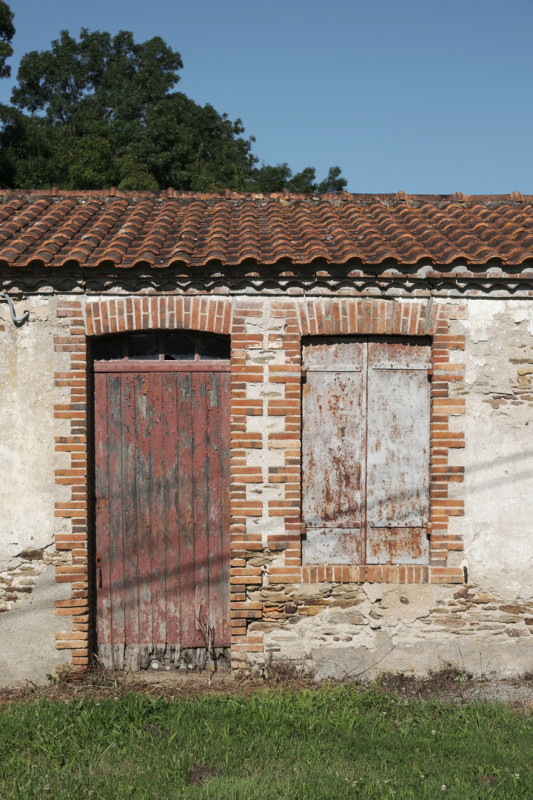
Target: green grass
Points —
{"points": [[338, 742]]}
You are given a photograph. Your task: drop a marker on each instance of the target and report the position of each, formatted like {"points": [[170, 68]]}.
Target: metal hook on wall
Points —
{"points": [[16, 320]]}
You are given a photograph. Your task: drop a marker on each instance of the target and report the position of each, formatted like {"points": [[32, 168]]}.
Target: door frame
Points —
{"points": [[127, 365]]}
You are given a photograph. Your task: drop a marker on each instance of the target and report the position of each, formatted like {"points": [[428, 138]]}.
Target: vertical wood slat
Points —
{"points": [[333, 452], [217, 501], [222, 583], [103, 563], [144, 516], [158, 512], [398, 462], [333, 449], [171, 504], [201, 476], [116, 544], [185, 509], [129, 504]]}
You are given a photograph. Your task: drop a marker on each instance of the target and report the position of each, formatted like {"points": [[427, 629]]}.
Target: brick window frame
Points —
{"points": [[413, 318], [294, 319]]}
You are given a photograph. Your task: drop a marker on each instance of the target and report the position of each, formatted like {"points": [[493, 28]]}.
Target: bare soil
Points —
{"points": [[446, 685]]}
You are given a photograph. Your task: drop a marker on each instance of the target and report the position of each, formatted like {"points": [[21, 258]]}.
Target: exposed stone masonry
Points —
{"points": [[18, 579]]}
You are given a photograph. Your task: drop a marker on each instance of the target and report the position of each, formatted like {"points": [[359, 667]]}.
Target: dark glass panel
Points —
{"points": [[179, 346], [213, 347], [108, 348], [143, 346]]}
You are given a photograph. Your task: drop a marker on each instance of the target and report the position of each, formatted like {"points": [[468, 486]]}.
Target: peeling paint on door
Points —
{"points": [[162, 540]]}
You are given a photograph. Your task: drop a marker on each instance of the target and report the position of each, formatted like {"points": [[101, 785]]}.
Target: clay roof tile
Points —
{"points": [[161, 230]]}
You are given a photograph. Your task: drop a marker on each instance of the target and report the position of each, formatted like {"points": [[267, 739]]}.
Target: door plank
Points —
{"points": [[200, 521], [333, 449], [144, 518], [216, 549], [158, 513], [116, 549], [171, 503], [103, 565], [185, 510], [129, 504]]}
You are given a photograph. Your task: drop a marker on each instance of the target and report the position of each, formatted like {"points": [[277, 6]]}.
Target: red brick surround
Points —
{"points": [[292, 318]]}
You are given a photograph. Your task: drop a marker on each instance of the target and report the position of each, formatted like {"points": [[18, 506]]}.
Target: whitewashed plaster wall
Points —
{"points": [[28, 492], [498, 457]]}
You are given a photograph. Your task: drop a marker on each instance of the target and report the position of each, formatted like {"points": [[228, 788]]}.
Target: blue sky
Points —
{"points": [[428, 97]]}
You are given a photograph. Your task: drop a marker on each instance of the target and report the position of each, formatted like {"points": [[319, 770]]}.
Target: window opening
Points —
{"points": [[161, 346], [365, 450]]}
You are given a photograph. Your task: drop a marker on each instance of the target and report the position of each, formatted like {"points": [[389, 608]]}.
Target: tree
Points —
{"points": [[7, 31], [102, 111]]}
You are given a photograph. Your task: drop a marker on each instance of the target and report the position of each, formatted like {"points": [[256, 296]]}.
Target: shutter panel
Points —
{"points": [[365, 451], [397, 500], [333, 452]]}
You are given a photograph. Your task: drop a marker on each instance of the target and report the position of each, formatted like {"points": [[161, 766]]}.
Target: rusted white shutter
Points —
{"points": [[333, 452], [366, 451]]}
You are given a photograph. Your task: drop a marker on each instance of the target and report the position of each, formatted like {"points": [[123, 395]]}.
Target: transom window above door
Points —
{"points": [[161, 346]]}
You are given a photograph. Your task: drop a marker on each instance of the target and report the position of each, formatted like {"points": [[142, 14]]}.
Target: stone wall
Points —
{"points": [[334, 628], [471, 605], [340, 631]]}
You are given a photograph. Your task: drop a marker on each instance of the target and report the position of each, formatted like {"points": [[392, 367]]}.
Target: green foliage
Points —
{"points": [[101, 111], [335, 743], [7, 31], [277, 178]]}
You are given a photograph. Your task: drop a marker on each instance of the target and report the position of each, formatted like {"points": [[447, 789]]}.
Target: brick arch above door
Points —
{"points": [[117, 315]]}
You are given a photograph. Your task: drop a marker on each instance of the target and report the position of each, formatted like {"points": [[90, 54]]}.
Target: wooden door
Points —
{"points": [[366, 451], [162, 533]]}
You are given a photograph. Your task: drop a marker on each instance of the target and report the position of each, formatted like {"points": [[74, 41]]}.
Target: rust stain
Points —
{"points": [[365, 450]]}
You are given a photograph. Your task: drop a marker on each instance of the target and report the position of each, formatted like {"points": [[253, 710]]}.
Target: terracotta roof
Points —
{"points": [[127, 229]]}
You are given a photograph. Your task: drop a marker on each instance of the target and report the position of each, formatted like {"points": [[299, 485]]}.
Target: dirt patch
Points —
{"points": [[201, 773], [451, 685], [446, 685]]}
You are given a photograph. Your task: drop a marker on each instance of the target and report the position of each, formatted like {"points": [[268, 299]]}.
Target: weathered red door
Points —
{"points": [[366, 450], [162, 533]]}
